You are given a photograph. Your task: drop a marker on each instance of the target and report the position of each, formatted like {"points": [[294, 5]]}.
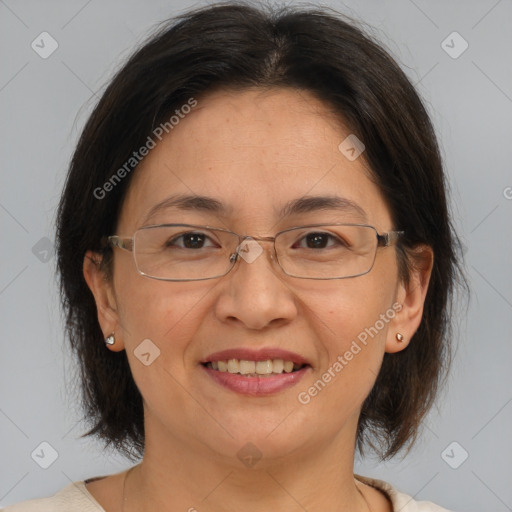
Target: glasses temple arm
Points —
{"points": [[390, 238], [122, 243]]}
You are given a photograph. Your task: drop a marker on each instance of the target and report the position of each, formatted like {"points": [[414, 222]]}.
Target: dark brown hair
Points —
{"points": [[236, 45]]}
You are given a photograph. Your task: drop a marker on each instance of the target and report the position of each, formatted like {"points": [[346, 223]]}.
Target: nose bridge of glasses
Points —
{"points": [[249, 248], [257, 239], [261, 238]]}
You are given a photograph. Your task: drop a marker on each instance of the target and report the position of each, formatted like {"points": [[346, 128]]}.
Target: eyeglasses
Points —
{"points": [[184, 252]]}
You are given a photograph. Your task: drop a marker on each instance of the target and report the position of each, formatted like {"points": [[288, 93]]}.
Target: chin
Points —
{"points": [[270, 439]]}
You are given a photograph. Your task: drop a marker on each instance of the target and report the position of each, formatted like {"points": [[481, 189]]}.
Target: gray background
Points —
{"points": [[44, 104]]}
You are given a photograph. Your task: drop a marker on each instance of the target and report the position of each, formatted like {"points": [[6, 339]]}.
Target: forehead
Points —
{"points": [[255, 151]]}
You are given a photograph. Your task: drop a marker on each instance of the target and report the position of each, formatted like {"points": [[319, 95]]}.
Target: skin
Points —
{"points": [[254, 151]]}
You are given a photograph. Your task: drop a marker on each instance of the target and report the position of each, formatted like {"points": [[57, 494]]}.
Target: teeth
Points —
{"points": [[264, 367], [233, 366], [255, 368], [247, 367], [277, 366], [288, 366]]}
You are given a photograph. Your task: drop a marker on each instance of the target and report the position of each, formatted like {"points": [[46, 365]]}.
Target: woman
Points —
{"points": [[256, 262]]}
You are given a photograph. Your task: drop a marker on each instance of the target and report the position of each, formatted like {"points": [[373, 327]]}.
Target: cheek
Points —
{"points": [[358, 327], [351, 320], [159, 320], [167, 313], [343, 309]]}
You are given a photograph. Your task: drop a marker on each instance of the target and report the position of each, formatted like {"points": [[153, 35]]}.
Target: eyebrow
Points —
{"points": [[309, 204], [190, 203], [306, 204]]}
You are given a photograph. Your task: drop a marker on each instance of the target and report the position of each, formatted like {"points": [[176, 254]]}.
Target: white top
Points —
{"points": [[76, 498]]}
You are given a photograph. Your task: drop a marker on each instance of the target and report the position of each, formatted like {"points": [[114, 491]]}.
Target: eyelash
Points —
{"points": [[172, 242]]}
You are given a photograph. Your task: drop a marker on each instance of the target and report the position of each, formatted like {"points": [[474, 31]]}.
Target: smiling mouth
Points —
{"points": [[247, 368]]}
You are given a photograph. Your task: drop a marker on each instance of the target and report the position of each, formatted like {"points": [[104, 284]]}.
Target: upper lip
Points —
{"points": [[262, 354]]}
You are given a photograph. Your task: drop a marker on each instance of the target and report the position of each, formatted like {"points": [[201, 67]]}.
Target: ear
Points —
{"points": [[411, 297], [101, 288]]}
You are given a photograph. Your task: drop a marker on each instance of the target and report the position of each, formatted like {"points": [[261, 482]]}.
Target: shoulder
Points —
{"points": [[73, 498], [400, 501]]}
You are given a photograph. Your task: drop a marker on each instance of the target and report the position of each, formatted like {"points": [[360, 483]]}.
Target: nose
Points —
{"points": [[255, 293]]}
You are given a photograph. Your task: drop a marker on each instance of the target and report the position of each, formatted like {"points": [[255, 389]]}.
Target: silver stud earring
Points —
{"points": [[110, 340], [399, 337]]}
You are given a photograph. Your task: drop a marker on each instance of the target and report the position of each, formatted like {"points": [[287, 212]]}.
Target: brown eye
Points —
{"points": [[317, 240], [190, 241]]}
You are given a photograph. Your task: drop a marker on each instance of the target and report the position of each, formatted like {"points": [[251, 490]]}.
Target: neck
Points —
{"points": [[174, 476]]}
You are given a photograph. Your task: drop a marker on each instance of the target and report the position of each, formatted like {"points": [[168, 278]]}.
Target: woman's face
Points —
{"points": [[255, 152]]}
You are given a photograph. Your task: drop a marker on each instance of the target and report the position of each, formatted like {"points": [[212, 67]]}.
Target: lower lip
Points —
{"points": [[256, 386]]}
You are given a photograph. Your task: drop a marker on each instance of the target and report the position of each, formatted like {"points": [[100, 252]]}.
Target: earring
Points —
{"points": [[399, 337], [110, 340]]}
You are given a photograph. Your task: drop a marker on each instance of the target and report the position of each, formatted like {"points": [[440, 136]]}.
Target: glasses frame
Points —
{"points": [[387, 239]]}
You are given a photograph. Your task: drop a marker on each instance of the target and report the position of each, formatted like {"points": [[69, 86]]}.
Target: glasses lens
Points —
{"points": [[327, 252], [183, 252], [188, 252]]}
